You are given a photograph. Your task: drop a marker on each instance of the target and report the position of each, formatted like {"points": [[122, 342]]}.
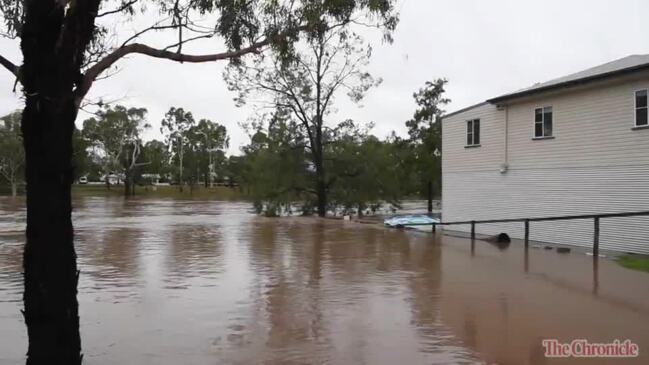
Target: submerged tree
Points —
{"points": [[156, 154], [366, 171], [425, 131], [67, 46], [175, 127], [207, 140], [12, 158], [305, 86], [275, 169], [117, 133], [82, 160]]}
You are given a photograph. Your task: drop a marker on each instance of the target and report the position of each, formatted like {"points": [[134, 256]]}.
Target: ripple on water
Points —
{"points": [[204, 282]]}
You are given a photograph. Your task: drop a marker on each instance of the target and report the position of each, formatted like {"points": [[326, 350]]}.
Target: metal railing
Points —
{"points": [[595, 217]]}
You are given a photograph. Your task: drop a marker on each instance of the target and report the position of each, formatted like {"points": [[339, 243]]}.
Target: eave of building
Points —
{"points": [[551, 87], [503, 99]]}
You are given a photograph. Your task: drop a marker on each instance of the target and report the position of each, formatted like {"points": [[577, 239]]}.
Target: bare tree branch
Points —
{"points": [[118, 10], [93, 72], [185, 41], [9, 65]]}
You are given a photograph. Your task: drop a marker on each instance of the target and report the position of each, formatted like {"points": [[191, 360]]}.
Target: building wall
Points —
{"points": [[595, 164]]}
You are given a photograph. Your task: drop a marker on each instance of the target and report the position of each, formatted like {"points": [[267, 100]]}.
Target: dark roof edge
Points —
{"points": [[464, 109], [570, 83]]}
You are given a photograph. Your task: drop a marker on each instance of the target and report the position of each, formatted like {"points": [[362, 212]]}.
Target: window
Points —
{"points": [[473, 132], [543, 122], [641, 108]]}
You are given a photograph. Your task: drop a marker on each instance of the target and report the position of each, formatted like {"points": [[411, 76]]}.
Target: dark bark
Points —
{"points": [[50, 297], [52, 41], [429, 194], [321, 185], [128, 185], [321, 191]]}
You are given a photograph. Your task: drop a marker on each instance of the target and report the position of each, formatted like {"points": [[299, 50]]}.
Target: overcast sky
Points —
{"points": [[484, 48]]}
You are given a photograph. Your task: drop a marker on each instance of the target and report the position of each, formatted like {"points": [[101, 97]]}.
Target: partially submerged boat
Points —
{"points": [[409, 220]]}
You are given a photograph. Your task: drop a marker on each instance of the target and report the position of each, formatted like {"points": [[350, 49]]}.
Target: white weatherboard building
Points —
{"points": [[578, 144]]}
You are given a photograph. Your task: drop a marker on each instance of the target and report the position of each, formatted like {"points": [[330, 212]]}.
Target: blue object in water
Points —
{"points": [[409, 220]]}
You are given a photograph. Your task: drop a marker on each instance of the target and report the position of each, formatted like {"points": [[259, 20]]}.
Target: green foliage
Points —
{"points": [[634, 262], [206, 142], [365, 171], [425, 131], [82, 160], [197, 149], [157, 157], [12, 157], [113, 129], [302, 89], [274, 169], [277, 173]]}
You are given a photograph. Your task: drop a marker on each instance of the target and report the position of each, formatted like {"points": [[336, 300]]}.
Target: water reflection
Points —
{"points": [[191, 282]]}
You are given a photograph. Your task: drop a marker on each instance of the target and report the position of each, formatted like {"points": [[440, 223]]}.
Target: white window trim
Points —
{"points": [[466, 133], [534, 136], [635, 109]]}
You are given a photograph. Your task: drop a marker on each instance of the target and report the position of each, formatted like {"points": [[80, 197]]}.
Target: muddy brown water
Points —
{"points": [[195, 282]]}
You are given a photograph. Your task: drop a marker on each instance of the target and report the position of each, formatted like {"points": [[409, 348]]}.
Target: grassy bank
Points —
{"points": [[171, 192], [634, 262]]}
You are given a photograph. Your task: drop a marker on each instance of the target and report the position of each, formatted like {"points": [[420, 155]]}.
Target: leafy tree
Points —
{"points": [[117, 133], [82, 160], [12, 158], [425, 131], [365, 169], [207, 139], [66, 49], [274, 169], [175, 126], [304, 88], [156, 154]]}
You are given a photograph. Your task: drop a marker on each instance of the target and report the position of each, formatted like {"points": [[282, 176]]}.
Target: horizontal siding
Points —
{"points": [[595, 164], [491, 152], [591, 127], [540, 193]]}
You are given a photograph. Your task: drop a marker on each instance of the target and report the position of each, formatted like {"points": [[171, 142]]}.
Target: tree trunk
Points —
{"points": [[107, 180], [14, 189], [180, 168], [49, 261], [429, 194], [321, 194], [127, 185], [54, 37], [321, 185]]}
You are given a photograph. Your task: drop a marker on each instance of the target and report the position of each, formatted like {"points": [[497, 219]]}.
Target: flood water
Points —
{"points": [[195, 282]]}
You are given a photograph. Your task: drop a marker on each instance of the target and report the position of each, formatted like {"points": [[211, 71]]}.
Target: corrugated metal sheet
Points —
{"points": [[595, 164]]}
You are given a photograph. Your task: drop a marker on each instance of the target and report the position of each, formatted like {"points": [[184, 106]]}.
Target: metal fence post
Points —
{"points": [[527, 232], [434, 227], [472, 230], [596, 238]]}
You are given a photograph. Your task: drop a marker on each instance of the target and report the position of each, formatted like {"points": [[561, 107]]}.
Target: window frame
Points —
{"points": [[473, 129], [635, 109], [544, 136]]}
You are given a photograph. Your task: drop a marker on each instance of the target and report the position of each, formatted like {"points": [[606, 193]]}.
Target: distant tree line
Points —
{"points": [[277, 169], [111, 145]]}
